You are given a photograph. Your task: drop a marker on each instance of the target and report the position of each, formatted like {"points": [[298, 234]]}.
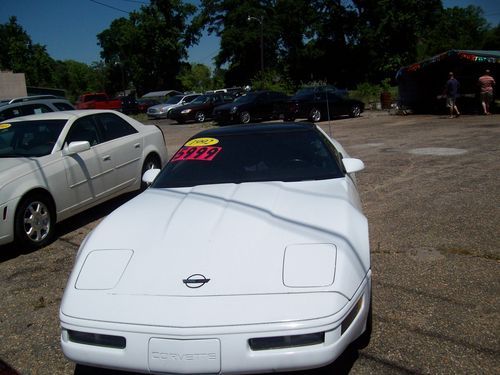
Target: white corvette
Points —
{"points": [[249, 253], [54, 165]]}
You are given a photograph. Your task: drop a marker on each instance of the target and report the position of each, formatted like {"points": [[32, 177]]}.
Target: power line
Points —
{"points": [[109, 6]]}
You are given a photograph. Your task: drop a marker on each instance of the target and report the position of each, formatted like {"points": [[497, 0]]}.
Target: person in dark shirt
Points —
{"points": [[451, 90]]}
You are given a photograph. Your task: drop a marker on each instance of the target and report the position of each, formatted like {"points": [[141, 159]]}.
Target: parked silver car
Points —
{"points": [[162, 110], [31, 105]]}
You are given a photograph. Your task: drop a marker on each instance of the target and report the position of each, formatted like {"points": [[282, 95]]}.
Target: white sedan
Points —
{"points": [[249, 253], [54, 165]]}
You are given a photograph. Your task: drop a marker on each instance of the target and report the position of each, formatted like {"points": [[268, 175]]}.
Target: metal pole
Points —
{"points": [[261, 44]]}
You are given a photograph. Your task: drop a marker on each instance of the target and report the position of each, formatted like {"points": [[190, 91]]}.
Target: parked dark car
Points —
{"points": [[144, 103], [200, 108], [316, 105], [253, 106], [129, 105]]}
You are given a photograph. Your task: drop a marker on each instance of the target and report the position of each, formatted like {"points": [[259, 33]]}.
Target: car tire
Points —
{"points": [[199, 116], [35, 219], [151, 162], [315, 115], [245, 117], [355, 110]]}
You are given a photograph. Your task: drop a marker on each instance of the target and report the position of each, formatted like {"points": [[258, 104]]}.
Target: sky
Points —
{"points": [[68, 28]]}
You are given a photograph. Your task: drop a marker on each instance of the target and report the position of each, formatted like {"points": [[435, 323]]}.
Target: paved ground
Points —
{"points": [[431, 192]]}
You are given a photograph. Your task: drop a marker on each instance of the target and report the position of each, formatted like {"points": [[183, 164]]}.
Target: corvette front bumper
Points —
{"points": [[230, 349]]}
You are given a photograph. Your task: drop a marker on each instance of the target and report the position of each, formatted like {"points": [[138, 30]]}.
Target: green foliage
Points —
{"points": [[458, 28], [369, 93], [271, 79], [147, 48], [195, 78]]}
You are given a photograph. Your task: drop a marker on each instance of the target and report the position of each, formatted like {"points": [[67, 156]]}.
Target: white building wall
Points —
{"points": [[12, 85]]}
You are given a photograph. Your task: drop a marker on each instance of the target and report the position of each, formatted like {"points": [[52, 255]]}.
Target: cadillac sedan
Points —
{"points": [[249, 253], [55, 165]]}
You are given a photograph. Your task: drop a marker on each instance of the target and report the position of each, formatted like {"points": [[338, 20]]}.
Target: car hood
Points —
{"points": [[243, 239], [192, 106], [14, 168], [166, 106]]}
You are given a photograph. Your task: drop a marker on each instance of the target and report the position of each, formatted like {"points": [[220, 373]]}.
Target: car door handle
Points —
{"points": [[137, 145], [106, 157]]}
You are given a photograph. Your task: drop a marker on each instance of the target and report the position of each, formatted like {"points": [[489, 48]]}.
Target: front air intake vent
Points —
{"points": [[279, 342]]}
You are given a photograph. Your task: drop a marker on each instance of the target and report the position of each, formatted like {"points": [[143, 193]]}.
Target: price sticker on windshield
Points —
{"points": [[207, 153]]}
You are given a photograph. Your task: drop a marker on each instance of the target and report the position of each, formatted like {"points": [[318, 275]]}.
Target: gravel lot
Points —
{"points": [[431, 192]]}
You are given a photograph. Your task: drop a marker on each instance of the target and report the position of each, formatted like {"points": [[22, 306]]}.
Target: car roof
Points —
{"points": [[257, 128], [60, 115]]}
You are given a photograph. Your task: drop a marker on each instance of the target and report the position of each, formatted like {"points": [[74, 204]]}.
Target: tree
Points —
{"points": [[457, 28], [492, 39], [389, 32], [195, 78], [19, 54], [146, 49]]}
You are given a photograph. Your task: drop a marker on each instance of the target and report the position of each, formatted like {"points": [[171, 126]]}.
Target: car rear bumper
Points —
{"points": [[227, 349]]}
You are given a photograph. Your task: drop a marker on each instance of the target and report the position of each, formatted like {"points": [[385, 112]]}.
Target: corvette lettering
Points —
{"points": [[207, 153], [184, 356]]}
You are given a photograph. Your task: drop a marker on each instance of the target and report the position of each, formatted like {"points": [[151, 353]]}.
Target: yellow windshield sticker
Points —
{"points": [[4, 126], [202, 142]]}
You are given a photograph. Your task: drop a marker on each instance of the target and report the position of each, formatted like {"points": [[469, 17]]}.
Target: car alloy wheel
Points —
{"points": [[34, 221], [245, 117], [200, 117], [355, 110], [315, 115]]}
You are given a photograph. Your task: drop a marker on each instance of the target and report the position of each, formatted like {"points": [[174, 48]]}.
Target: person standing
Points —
{"points": [[451, 91], [486, 84]]}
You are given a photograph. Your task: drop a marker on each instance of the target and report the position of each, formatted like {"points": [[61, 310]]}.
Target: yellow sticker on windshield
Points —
{"points": [[4, 126], [202, 142]]}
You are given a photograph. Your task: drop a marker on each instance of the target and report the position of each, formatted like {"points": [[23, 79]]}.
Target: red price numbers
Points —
{"points": [[207, 153]]}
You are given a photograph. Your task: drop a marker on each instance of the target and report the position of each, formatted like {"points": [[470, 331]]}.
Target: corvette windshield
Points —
{"points": [[251, 157], [29, 138]]}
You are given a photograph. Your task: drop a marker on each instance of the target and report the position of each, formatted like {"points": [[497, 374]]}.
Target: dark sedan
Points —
{"points": [[316, 106], [201, 108], [253, 106]]}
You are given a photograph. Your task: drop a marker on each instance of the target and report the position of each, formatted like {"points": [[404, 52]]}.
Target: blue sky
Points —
{"points": [[68, 28]]}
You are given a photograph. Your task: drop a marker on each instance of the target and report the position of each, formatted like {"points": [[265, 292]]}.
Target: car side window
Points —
{"points": [[63, 106], [32, 109], [10, 113], [113, 126], [83, 129], [228, 98]]}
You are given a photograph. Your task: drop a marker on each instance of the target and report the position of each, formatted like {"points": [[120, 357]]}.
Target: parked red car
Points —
{"points": [[98, 100]]}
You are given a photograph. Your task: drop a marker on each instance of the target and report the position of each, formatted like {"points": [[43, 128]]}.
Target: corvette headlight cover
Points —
{"points": [[102, 269], [186, 110]]}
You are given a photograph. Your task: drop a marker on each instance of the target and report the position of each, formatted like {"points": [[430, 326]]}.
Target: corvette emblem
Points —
{"points": [[195, 281]]}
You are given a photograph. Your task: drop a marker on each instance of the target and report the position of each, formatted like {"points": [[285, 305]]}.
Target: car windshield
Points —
{"points": [[29, 138], [201, 99], [315, 89], [247, 98], [174, 99], [250, 157]]}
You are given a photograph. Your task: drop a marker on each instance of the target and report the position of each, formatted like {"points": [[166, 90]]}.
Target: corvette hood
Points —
{"points": [[243, 239]]}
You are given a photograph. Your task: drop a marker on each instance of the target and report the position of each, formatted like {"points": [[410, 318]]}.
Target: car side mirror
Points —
{"points": [[352, 165], [149, 176], [76, 147]]}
